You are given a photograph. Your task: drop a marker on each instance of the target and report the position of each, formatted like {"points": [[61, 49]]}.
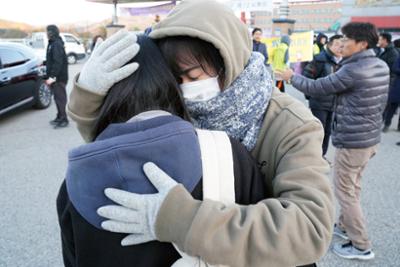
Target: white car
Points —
{"points": [[74, 49]]}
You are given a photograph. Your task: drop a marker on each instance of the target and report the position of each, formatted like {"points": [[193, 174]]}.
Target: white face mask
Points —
{"points": [[202, 90]]}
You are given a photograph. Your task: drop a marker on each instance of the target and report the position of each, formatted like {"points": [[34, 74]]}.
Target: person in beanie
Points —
{"points": [[280, 59], [227, 87], [319, 44], [324, 64], [57, 73], [259, 46], [360, 85]]}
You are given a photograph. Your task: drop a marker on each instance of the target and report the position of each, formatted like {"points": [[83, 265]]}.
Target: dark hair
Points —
{"points": [[189, 50], [360, 31], [334, 37], [53, 31], [256, 30], [151, 86], [387, 36], [94, 41], [396, 43]]}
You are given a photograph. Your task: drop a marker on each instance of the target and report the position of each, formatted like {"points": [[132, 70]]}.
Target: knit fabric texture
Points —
{"points": [[239, 109]]}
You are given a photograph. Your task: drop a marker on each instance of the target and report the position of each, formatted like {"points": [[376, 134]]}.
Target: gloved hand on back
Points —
{"points": [[105, 66], [138, 213]]}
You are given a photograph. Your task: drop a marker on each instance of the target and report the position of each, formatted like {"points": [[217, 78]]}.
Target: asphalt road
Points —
{"points": [[33, 159]]}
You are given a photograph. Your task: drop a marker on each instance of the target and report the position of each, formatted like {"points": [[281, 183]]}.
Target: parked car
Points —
{"points": [[21, 78], [74, 49]]}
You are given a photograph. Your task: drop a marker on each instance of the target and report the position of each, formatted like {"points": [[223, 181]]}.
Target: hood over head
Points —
{"points": [[285, 39], [53, 31], [320, 36], [212, 22]]}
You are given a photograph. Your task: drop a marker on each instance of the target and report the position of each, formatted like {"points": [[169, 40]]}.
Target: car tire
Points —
{"points": [[43, 96], [71, 58]]}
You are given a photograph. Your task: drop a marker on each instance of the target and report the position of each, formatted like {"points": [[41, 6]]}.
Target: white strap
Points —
{"points": [[218, 179], [217, 162]]}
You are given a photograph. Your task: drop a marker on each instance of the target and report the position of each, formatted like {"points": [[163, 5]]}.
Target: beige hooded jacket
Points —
{"points": [[293, 225]]}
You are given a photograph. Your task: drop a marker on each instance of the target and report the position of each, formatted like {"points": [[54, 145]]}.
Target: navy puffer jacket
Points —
{"points": [[361, 88]]}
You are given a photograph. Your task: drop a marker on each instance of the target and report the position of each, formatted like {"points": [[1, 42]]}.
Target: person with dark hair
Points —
{"points": [[394, 97], [319, 44], [97, 38], [280, 60], [389, 54], [259, 46], [233, 92], [396, 44], [57, 74], [324, 64], [142, 118], [360, 86]]}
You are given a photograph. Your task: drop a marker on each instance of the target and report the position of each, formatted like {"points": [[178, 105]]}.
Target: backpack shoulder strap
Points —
{"points": [[218, 179], [217, 166]]}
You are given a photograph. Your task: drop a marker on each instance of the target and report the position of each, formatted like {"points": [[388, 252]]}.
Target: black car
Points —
{"points": [[21, 78]]}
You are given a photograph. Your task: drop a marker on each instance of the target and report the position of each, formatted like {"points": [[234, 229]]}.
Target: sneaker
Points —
{"points": [[61, 124], [339, 232], [385, 129], [54, 122], [348, 251]]}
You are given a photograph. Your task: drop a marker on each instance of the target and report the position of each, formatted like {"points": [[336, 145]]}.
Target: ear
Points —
{"points": [[364, 44]]}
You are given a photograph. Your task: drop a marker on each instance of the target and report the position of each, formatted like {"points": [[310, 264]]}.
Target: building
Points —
{"points": [[385, 14], [308, 14]]}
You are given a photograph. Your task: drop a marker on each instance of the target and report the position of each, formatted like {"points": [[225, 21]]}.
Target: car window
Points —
{"points": [[70, 39], [38, 42], [10, 58]]}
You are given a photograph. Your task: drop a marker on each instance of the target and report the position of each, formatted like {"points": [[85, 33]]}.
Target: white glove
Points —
{"points": [[105, 66], [138, 213]]}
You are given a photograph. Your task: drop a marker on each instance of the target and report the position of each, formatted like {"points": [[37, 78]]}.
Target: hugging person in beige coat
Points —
{"points": [[226, 87]]}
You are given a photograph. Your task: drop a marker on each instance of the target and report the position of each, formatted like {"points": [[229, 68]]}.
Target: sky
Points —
{"points": [[43, 12]]}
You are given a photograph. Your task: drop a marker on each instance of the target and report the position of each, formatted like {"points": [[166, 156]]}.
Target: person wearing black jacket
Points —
{"points": [[324, 64], [258, 46], [57, 73], [122, 115], [389, 54]]}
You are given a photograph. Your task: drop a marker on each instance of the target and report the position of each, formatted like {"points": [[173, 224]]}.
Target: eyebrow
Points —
{"points": [[185, 71]]}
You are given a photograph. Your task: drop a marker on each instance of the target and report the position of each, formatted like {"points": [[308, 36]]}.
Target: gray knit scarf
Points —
{"points": [[238, 110]]}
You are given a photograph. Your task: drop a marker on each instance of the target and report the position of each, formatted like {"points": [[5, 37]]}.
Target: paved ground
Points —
{"points": [[33, 160]]}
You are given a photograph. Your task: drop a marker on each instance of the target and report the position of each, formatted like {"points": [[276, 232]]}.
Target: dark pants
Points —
{"points": [[389, 112], [60, 97], [325, 117], [280, 85]]}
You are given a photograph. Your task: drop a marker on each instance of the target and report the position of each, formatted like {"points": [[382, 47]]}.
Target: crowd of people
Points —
{"points": [[139, 191]]}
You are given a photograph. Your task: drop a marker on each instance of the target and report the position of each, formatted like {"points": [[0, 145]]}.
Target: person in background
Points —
{"points": [[389, 54], [258, 46], [319, 44], [280, 59], [324, 64], [57, 73], [148, 30], [360, 85], [394, 97]]}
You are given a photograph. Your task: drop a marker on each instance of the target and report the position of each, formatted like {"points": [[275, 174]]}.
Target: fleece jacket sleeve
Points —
{"points": [[83, 107], [294, 227]]}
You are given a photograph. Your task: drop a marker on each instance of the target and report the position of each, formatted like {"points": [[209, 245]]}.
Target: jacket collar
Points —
{"points": [[357, 56]]}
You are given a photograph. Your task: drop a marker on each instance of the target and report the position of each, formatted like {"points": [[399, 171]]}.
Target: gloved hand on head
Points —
{"points": [[106, 65]]}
